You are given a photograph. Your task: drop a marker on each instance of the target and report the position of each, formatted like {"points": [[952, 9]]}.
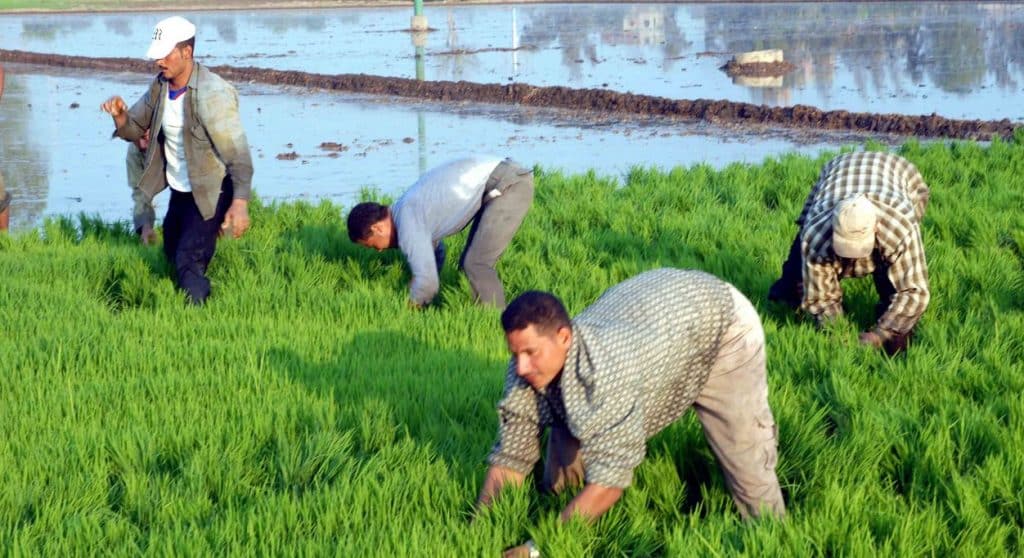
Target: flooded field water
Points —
{"points": [[959, 60]]}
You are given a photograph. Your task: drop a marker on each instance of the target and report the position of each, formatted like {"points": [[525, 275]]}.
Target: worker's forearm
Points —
{"points": [[497, 478], [121, 119], [592, 502]]}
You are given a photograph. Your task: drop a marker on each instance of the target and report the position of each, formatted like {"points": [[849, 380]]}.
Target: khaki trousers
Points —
{"points": [[733, 409]]}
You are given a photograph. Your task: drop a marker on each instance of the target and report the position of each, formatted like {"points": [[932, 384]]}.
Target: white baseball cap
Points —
{"points": [[853, 227], [168, 33]]}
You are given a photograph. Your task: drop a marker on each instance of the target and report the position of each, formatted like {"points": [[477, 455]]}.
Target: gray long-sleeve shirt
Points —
{"points": [[638, 359], [441, 203]]}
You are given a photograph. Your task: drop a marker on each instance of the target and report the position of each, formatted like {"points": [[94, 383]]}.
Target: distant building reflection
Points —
{"points": [[887, 48]]}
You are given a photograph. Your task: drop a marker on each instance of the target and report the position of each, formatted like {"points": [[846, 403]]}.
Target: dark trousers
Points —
{"points": [[789, 289], [190, 240]]}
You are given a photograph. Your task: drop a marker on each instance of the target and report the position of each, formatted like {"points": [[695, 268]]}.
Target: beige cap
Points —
{"points": [[853, 227], [168, 33]]}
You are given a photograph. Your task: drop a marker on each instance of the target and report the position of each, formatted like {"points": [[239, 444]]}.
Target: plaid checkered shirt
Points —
{"points": [[638, 359], [900, 194]]}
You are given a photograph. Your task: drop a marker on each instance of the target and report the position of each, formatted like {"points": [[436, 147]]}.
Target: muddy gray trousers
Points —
{"points": [[493, 228], [732, 408]]}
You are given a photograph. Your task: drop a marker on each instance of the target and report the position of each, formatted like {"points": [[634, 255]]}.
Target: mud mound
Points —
{"points": [[462, 51], [757, 69], [721, 112], [333, 146]]}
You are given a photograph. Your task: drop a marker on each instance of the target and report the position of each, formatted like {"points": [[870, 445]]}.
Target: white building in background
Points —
{"points": [[645, 25]]}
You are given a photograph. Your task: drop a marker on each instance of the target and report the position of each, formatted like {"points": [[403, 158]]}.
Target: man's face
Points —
{"points": [[176, 63], [380, 236], [539, 356]]}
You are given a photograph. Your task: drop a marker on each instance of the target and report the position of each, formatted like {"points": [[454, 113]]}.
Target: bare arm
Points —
{"points": [[497, 478], [592, 502]]}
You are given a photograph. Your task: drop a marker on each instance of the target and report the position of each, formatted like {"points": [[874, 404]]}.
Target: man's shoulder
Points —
{"points": [[207, 79]]}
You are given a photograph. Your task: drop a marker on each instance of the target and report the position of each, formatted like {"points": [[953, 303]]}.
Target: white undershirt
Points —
{"points": [[174, 144]]}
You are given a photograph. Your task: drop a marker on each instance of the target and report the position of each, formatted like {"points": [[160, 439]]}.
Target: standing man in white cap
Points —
{"points": [[198, 148], [863, 217]]}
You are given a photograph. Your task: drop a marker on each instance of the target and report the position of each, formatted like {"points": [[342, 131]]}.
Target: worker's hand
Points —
{"points": [[872, 339], [147, 235], [521, 551], [898, 343], [143, 142], [114, 106], [236, 221]]}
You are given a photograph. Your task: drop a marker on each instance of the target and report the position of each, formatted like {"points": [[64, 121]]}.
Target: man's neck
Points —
{"points": [[182, 80], [394, 231]]}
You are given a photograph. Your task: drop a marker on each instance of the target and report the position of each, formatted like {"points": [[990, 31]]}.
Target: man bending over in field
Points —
{"points": [[863, 216], [494, 194], [623, 370]]}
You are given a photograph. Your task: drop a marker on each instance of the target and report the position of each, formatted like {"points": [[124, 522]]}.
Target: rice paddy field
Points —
{"points": [[307, 410]]}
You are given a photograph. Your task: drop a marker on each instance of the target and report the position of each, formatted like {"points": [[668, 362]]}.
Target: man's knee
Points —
{"points": [[476, 268]]}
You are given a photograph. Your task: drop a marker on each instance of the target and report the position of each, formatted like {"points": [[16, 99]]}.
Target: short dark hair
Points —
{"points": [[362, 217], [537, 308], [189, 42]]}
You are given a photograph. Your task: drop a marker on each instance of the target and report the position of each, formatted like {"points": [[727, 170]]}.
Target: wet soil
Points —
{"points": [[599, 100], [757, 69], [333, 146]]}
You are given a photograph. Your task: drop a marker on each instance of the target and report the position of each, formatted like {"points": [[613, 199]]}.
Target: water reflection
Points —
{"points": [[958, 59], [25, 162], [419, 41], [887, 48], [68, 163]]}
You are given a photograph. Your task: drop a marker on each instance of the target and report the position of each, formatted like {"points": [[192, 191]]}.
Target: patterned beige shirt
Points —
{"points": [[638, 359], [897, 189]]}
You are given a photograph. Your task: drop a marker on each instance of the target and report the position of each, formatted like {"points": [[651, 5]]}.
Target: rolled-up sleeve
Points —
{"points": [[909, 276], [618, 447], [610, 423], [519, 427]]}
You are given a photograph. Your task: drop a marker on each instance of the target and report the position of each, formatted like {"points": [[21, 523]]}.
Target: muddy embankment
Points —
{"points": [[602, 100]]}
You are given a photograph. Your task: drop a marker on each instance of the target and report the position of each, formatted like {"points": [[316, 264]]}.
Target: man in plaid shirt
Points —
{"points": [[862, 217]]}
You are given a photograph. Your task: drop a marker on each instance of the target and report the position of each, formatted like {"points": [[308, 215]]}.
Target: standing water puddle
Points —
{"points": [[960, 60]]}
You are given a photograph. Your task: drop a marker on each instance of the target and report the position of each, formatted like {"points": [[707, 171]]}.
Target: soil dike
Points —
{"points": [[601, 100]]}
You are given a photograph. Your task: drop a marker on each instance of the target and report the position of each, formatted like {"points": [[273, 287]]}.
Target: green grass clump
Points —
{"points": [[307, 410]]}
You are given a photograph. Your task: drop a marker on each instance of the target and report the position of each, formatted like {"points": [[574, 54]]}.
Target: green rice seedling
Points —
{"points": [[306, 410]]}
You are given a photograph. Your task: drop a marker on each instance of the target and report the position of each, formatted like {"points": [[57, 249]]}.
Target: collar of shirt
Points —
{"points": [[173, 94]]}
